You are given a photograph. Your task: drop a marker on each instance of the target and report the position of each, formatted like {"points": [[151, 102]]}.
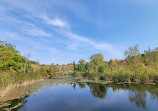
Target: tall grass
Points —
{"points": [[9, 80], [127, 74]]}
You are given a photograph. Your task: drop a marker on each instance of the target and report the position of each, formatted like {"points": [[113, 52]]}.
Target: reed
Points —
{"points": [[9, 80], [126, 74]]}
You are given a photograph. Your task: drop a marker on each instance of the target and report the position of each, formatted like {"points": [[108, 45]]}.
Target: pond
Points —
{"points": [[67, 95]]}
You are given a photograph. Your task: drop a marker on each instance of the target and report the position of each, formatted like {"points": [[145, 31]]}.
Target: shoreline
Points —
{"points": [[4, 91], [107, 82]]}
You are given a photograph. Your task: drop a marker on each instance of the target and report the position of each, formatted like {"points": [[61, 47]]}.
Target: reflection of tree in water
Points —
{"points": [[74, 86], [154, 96], [154, 93], [138, 92], [139, 98], [98, 90], [82, 85]]}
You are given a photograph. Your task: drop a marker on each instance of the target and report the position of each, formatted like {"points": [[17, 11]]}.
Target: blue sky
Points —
{"points": [[60, 31]]}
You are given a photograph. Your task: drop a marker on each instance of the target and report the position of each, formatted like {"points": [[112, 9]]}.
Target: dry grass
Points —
{"points": [[10, 80]]}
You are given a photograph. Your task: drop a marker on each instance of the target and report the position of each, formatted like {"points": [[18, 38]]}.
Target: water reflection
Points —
{"points": [[74, 86], [71, 94], [82, 85], [98, 90], [138, 98], [17, 97], [137, 93]]}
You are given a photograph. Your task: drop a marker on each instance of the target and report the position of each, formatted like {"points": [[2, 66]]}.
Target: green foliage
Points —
{"points": [[87, 65], [97, 59], [131, 54], [10, 59], [75, 72], [101, 69], [13, 66], [34, 62], [74, 65], [135, 68], [81, 65], [96, 62]]}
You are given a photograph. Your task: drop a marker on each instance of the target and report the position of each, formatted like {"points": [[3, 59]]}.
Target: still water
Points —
{"points": [[74, 96]]}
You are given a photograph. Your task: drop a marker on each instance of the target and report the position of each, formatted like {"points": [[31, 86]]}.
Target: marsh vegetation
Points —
{"points": [[136, 67]]}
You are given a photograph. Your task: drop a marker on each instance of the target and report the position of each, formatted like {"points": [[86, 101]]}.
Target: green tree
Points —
{"points": [[96, 61], [81, 65], [75, 66], [131, 54], [10, 58], [87, 65], [101, 69]]}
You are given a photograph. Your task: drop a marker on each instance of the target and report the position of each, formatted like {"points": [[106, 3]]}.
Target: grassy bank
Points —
{"points": [[9, 80], [127, 74]]}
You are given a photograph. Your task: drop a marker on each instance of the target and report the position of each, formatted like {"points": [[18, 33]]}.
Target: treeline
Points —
{"points": [[57, 70], [136, 67]]}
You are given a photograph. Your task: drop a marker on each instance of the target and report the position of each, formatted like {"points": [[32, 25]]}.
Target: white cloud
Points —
{"points": [[37, 32], [33, 30], [33, 11], [79, 41], [5, 35], [55, 22], [25, 27]]}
